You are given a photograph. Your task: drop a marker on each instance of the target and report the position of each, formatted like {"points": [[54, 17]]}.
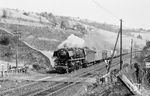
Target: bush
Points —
{"points": [[139, 37], [64, 24], [4, 14], [25, 13], [37, 67], [4, 41], [147, 43]]}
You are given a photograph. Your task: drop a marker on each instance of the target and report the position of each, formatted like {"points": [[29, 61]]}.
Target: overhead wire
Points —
{"points": [[116, 17], [106, 10]]}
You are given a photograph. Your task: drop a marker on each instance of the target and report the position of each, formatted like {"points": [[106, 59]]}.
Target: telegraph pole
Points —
{"points": [[18, 36], [121, 44], [131, 51], [119, 33]]}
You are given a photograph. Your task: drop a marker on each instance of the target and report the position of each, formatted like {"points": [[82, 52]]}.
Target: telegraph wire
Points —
{"points": [[106, 10], [119, 33]]}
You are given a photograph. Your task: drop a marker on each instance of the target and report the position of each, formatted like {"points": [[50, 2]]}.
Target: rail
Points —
{"points": [[59, 86], [62, 87]]}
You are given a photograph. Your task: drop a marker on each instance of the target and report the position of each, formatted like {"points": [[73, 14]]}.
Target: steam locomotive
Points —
{"points": [[67, 60], [70, 59]]}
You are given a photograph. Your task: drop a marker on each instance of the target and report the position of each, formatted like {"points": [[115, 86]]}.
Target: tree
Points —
{"points": [[147, 43], [141, 29], [40, 19], [5, 14], [139, 36], [25, 13], [4, 41], [64, 24]]}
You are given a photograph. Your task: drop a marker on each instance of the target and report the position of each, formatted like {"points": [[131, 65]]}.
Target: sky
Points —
{"points": [[135, 13]]}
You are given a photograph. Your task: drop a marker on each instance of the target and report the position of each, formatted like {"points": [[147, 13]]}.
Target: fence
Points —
{"points": [[6, 69]]}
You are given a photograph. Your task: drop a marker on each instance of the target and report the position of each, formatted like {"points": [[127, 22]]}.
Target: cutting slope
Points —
{"points": [[26, 55]]}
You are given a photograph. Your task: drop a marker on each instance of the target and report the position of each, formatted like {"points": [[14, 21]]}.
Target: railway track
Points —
{"points": [[57, 89], [27, 89], [52, 88], [57, 92], [36, 87]]}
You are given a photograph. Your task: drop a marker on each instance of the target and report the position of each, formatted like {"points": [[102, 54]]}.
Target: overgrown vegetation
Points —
{"points": [[146, 80], [142, 58], [117, 89]]}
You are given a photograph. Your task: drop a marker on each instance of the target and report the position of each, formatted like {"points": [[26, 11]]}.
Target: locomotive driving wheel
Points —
{"points": [[84, 64], [60, 70]]}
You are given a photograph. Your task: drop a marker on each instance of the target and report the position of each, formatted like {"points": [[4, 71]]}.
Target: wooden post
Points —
{"points": [[121, 62], [18, 36], [2, 70], [131, 52]]}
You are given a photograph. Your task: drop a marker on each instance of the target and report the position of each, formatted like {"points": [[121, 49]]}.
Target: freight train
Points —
{"points": [[70, 59]]}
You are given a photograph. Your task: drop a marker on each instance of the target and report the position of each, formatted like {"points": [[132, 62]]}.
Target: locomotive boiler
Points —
{"points": [[70, 59]]}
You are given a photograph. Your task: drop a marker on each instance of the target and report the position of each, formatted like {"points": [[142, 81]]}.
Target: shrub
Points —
{"points": [[4, 41], [37, 67], [5, 15], [25, 13], [147, 43], [64, 24], [139, 37]]}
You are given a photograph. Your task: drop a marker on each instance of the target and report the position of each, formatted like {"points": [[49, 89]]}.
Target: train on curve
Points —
{"points": [[67, 60]]}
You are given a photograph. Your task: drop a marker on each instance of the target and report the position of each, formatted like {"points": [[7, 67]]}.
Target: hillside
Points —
{"points": [[45, 31], [26, 55]]}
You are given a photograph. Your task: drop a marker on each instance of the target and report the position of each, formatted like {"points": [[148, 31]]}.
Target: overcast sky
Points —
{"points": [[135, 13]]}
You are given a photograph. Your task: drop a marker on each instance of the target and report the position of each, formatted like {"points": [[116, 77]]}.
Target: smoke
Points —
{"points": [[72, 41], [49, 55]]}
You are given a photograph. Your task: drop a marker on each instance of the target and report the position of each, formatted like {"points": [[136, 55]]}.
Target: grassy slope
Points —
{"points": [[32, 35], [26, 54]]}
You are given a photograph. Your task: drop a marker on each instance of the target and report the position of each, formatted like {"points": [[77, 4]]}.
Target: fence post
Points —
{"points": [[2, 71]]}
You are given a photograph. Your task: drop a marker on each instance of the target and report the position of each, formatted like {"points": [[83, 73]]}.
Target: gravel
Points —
{"points": [[8, 84]]}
